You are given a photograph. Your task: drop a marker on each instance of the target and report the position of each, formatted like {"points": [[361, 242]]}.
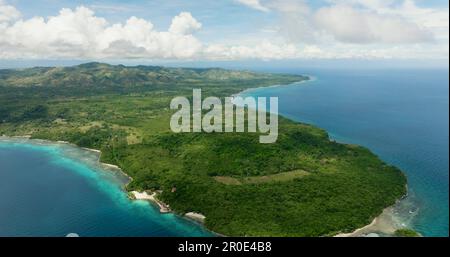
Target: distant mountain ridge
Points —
{"points": [[95, 74]]}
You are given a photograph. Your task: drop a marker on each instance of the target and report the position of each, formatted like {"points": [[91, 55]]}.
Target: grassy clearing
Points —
{"points": [[279, 177]]}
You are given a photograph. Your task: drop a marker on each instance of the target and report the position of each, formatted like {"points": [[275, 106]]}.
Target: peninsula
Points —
{"points": [[302, 185]]}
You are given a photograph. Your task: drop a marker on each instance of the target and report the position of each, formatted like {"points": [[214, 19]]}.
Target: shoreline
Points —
{"points": [[104, 165], [382, 224], [309, 78], [164, 208], [378, 222]]}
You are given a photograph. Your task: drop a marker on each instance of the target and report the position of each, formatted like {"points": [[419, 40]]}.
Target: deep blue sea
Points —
{"points": [[57, 189], [401, 115]]}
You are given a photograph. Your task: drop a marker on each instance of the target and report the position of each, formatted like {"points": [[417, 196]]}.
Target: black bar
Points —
{"points": [[227, 246]]}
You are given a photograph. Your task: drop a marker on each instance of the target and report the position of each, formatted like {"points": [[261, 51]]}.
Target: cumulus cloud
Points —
{"points": [[339, 29], [80, 34], [432, 19], [352, 25], [8, 12], [184, 24], [254, 4], [353, 21]]}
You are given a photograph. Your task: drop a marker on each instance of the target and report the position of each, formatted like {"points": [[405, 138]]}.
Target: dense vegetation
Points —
{"points": [[303, 185], [406, 233]]}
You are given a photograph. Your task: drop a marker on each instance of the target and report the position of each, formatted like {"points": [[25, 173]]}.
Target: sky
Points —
{"points": [[224, 30]]}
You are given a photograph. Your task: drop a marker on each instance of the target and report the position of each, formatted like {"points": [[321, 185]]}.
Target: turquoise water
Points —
{"points": [[401, 115], [56, 189]]}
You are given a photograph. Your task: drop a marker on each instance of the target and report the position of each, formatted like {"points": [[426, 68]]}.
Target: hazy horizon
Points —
{"points": [[248, 64]]}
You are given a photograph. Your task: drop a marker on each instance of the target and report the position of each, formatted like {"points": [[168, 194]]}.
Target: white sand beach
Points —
{"points": [[384, 224], [195, 216], [163, 208]]}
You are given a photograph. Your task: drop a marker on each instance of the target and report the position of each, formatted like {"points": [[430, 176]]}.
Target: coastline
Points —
{"points": [[98, 153], [379, 224], [309, 78], [163, 208], [195, 216], [383, 223], [387, 223], [133, 195]]}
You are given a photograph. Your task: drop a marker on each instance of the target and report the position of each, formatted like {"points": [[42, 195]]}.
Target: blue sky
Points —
{"points": [[224, 29], [221, 15]]}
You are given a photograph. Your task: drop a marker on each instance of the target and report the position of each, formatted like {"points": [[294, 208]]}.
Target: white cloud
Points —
{"points": [[353, 21], [351, 25], [341, 29], [8, 12], [184, 24], [255, 4], [80, 34], [296, 20], [435, 20], [365, 28]]}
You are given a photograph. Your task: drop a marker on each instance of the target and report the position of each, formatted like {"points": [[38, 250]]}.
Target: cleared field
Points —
{"points": [[280, 177]]}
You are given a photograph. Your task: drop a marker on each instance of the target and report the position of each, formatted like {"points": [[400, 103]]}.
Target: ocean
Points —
{"points": [[400, 115]]}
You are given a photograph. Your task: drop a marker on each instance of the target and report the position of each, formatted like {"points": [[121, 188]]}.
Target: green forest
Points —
{"points": [[302, 185]]}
